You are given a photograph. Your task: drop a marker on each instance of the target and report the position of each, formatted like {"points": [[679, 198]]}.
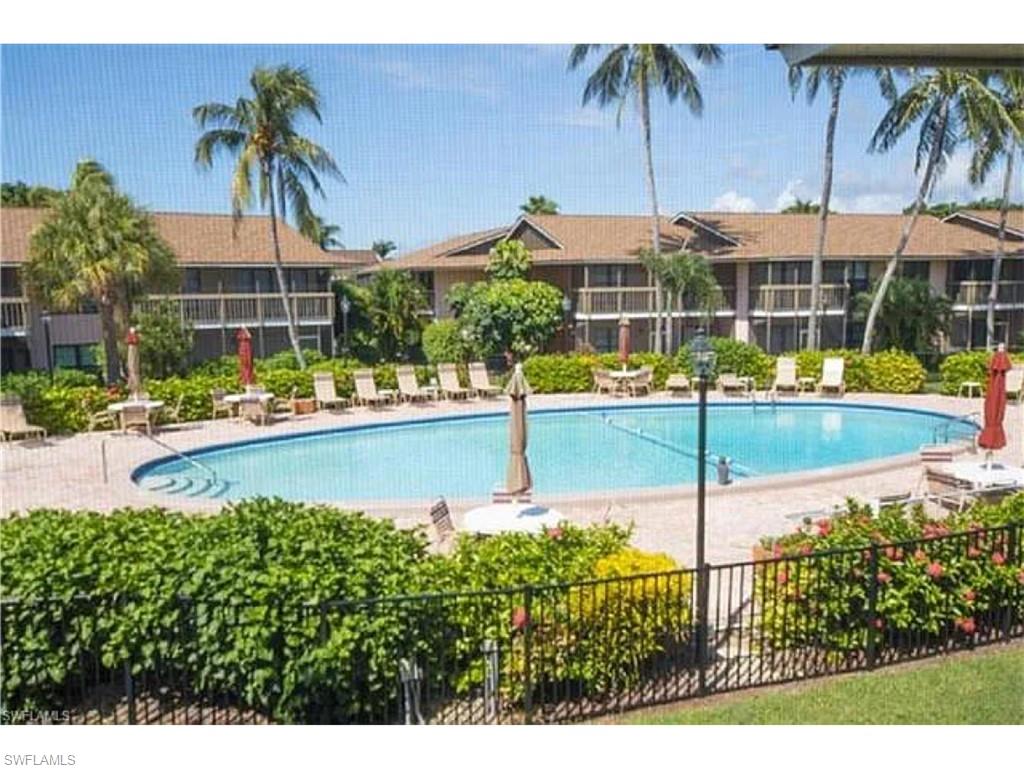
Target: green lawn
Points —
{"points": [[986, 688]]}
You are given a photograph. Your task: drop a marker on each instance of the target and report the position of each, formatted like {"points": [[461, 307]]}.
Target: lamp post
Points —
{"points": [[45, 317], [703, 365], [566, 310], [346, 307]]}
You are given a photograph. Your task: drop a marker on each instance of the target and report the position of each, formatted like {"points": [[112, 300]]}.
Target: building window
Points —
{"points": [[75, 356], [193, 282], [860, 276], [915, 270]]}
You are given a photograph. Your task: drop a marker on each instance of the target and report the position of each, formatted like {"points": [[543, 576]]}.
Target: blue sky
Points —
{"points": [[437, 140]]}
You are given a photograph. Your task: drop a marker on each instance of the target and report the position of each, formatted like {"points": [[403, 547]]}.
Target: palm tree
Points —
{"points": [[801, 206], [912, 317], [811, 80], [18, 194], [382, 248], [689, 280], [953, 106], [396, 301], [1000, 141], [323, 234], [539, 205], [259, 130], [95, 245], [634, 70]]}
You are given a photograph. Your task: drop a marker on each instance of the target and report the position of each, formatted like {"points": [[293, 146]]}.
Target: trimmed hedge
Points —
{"points": [[968, 366]]}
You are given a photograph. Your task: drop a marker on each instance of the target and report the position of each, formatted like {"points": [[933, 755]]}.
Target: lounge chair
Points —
{"points": [[604, 383], [480, 383], [678, 384], [13, 422], [444, 527], [643, 383], [832, 377], [136, 416], [947, 491], [730, 384], [409, 388], [448, 376], [220, 405], [366, 389], [286, 406], [1015, 384], [325, 394], [255, 410], [785, 376]]}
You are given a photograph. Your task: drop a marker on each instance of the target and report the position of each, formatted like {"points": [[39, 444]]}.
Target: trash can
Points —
{"points": [[724, 470]]}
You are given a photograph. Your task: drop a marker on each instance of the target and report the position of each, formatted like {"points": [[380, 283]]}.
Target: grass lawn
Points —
{"points": [[980, 688]]}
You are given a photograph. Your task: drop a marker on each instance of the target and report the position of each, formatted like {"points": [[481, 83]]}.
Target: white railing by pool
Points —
{"points": [[636, 301], [975, 293], [226, 310], [13, 315], [796, 298]]}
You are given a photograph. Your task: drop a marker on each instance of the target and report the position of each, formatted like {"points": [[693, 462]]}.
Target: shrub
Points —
{"points": [[961, 367], [443, 342], [895, 371], [559, 373], [662, 364], [809, 364], [732, 356]]}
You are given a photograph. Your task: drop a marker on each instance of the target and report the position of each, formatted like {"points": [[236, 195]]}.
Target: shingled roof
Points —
{"points": [[576, 239], [199, 239]]}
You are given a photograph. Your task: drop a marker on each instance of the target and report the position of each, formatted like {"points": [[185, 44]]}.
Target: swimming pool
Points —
{"points": [[570, 450]]}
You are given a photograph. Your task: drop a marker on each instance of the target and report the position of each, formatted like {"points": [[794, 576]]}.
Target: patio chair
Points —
{"points": [[643, 383], [366, 389], [281, 405], [254, 410], [173, 414], [448, 376], [785, 376], [408, 387], [13, 422], [325, 393], [604, 383], [1015, 384], [220, 405], [479, 381], [441, 517], [99, 419], [730, 384], [947, 491], [678, 384], [136, 416], [832, 377]]}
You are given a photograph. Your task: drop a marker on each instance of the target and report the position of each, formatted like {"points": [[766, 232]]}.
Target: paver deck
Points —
{"points": [[68, 471]]}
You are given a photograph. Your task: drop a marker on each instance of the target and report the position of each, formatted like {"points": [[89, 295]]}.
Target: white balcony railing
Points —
{"points": [[13, 315], [975, 293], [797, 298], [232, 310], [636, 301]]}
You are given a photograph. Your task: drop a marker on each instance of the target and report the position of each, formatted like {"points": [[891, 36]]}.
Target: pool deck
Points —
{"points": [[67, 471]]}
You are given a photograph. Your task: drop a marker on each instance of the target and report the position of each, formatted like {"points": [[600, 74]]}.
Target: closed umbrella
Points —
{"points": [[624, 341], [517, 476], [133, 364], [993, 437], [244, 339]]}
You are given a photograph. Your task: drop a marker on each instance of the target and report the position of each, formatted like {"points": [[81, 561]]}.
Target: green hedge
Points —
{"points": [[968, 366], [934, 586], [732, 356]]}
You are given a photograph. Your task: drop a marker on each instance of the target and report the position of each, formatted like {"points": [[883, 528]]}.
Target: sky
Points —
{"points": [[439, 140]]}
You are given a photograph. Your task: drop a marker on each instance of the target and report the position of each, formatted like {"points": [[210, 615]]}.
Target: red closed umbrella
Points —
{"points": [[624, 341], [992, 437], [245, 356], [134, 364]]}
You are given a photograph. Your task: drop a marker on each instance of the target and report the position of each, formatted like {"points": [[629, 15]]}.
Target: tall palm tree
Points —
{"points": [[810, 80], [382, 248], [953, 106], [689, 279], [1000, 141], [538, 204], [801, 206], [634, 70], [323, 234], [260, 131], [96, 245]]}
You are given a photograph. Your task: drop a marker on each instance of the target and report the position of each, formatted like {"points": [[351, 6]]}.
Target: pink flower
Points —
{"points": [[966, 625], [998, 558], [1020, 576], [920, 555], [824, 527], [879, 624], [973, 552], [969, 595], [777, 549], [883, 577], [806, 549], [935, 570], [782, 577], [893, 553], [519, 618], [554, 533]]}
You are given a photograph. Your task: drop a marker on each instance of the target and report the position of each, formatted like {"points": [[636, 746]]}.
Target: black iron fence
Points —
{"points": [[551, 653]]}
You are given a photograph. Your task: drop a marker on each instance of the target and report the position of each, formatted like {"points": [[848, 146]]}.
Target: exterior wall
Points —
{"points": [[742, 325], [444, 279]]}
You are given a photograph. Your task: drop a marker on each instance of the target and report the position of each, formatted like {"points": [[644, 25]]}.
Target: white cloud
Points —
{"points": [[869, 202], [438, 77], [733, 202], [794, 188]]}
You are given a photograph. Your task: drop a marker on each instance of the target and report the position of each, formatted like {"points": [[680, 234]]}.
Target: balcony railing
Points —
{"points": [[638, 301], [227, 310], [797, 298], [975, 293], [13, 315]]}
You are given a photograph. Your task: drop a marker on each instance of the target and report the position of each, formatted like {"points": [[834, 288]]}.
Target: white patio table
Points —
{"points": [[263, 397], [985, 475], [149, 405], [510, 517]]}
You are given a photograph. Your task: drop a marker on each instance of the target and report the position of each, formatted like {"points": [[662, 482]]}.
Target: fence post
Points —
{"points": [[129, 691], [489, 648], [703, 635], [1012, 556], [872, 652], [527, 652], [411, 675]]}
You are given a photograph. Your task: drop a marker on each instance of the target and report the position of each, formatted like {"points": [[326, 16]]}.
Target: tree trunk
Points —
{"points": [[645, 126], [997, 262], [669, 330], [112, 358], [826, 197], [908, 228], [282, 283]]}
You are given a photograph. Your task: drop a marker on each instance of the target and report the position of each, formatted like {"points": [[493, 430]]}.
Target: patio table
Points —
{"points": [[262, 397], [149, 405], [985, 475], [806, 384], [510, 517]]}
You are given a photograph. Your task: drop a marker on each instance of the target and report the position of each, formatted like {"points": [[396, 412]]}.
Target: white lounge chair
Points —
{"points": [[479, 381], [730, 384], [325, 393], [13, 422], [448, 376], [1015, 384], [678, 384], [409, 388], [366, 389], [832, 377], [785, 376]]}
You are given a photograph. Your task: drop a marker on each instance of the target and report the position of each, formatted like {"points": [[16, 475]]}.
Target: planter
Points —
{"points": [[303, 405]]}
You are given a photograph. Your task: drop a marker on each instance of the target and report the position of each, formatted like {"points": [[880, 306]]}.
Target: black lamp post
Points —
{"points": [[45, 317], [346, 307], [703, 366], [566, 310]]}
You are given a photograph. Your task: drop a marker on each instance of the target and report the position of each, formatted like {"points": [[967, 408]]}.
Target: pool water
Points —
{"points": [[570, 451]]}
